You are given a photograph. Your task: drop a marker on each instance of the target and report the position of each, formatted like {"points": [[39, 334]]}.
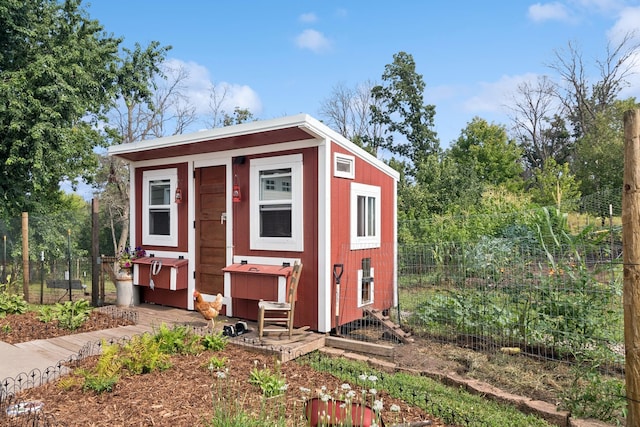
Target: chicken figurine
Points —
{"points": [[208, 309]]}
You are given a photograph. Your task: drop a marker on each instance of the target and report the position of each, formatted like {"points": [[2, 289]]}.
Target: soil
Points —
{"points": [[188, 393]]}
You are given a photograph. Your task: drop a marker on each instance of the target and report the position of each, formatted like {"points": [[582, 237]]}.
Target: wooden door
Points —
{"points": [[211, 224]]}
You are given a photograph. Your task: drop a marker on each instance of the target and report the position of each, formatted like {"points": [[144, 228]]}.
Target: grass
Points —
{"points": [[586, 381], [452, 405]]}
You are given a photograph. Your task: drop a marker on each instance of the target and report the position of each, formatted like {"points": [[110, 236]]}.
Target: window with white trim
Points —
{"points": [[276, 203], [159, 211], [365, 283], [344, 166], [365, 216]]}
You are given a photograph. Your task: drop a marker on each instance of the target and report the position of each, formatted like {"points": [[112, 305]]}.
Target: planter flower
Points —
{"points": [[127, 255]]}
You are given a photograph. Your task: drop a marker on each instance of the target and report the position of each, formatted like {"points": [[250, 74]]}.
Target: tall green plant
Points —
{"points": [[10, 303], [574, 307]]}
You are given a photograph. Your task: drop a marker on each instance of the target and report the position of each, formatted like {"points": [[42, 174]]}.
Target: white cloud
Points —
{"points": [[494, 97], [313, 40], [242, 96], [627, 23], [197, 88], [549, 12], [308, 17]]}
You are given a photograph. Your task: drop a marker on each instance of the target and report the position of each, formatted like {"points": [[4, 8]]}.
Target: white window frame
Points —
{"points": [[295, 242], [365, 242], [351, 160], [372, 284], [155, 239]]}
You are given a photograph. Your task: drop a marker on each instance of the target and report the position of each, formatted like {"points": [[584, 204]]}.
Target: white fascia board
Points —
{"points": [[316, 127], [207, 135], [303, 121]]}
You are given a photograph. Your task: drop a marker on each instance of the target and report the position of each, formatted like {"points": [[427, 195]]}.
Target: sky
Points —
{"points": [[279, 58]]}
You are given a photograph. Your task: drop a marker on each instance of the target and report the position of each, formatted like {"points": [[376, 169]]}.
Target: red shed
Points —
{"points": [[229, 210]]}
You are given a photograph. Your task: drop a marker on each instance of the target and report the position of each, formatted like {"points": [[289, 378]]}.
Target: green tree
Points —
{"points": [[555, 185], [239, 116], [138, 114], [400, 110], [599, 155], [57, 75], [486, 149], [441, 186]]}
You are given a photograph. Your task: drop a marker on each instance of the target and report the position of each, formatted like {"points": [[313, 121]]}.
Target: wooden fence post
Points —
{"points": [[25, 255], [96, 297], [631, 259]]}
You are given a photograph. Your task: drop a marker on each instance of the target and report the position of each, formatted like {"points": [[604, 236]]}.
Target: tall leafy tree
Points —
{"points": [[599, 154], [140, 110], [486, 149], [399, 107], [57, 75], [555, 185]]}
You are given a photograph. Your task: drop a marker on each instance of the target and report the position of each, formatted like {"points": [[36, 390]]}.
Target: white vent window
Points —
{"points": [[344, 166]]}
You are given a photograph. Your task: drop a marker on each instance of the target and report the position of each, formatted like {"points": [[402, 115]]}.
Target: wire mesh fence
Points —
{"points": [[60, 280], [553, 294], [557, 305]]}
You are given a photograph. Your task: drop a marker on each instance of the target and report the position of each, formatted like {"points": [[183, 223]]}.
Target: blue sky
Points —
{"points": [[284, 57]]}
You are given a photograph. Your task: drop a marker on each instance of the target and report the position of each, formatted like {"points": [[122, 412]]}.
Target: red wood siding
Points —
{"points": [[382, 259], [183, 220], [222, 144], [307, 308]]}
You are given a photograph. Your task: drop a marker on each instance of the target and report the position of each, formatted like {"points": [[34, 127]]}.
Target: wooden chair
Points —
{"points": [[280, 313]]}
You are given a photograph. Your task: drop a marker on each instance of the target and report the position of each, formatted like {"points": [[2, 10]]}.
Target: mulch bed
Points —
{"points": [[187, 394]]}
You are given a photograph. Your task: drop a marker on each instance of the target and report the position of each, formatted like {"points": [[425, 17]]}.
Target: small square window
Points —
{"points": [[344, 166], [365, 283]]}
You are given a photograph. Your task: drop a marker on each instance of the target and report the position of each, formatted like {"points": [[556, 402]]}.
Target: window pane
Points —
{"points": [[275, 220], [159, 223], [362, 218], [371, 217], [275, 184], [159, 192]]}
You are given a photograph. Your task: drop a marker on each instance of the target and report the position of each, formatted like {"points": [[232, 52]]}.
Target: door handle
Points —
{"points": [[223, 217]]}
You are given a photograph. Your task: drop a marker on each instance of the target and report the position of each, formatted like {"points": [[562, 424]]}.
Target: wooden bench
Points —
{"points": [[64, 284]]}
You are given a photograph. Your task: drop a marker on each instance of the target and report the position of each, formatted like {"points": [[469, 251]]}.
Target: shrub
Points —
{"points": [[11, 303]]}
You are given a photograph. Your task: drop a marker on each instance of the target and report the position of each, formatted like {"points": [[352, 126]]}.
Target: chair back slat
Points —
{"points": [[293, 284]]}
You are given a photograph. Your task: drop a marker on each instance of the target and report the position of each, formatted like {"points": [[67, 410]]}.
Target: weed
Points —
{"points": [[216, 363], [177, 340], [11, 303], [270, 382], [214, 342], [143, 354], [70, 315], [591, 395]]}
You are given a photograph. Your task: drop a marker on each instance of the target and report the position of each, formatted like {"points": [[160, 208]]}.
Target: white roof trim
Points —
{"points": [[304, 121]]}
